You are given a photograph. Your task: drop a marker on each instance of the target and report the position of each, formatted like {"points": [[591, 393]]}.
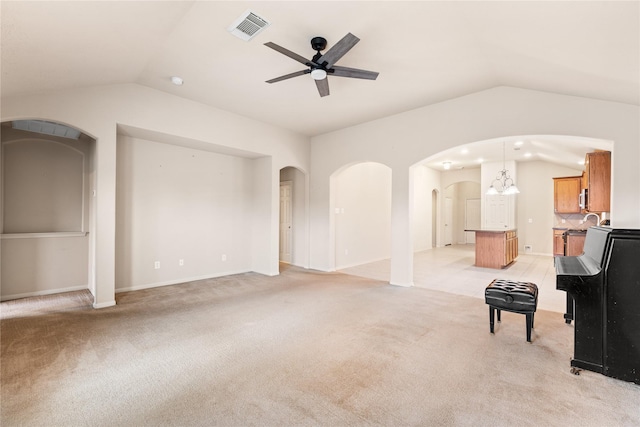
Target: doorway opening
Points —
{"points": [[292, 231]]}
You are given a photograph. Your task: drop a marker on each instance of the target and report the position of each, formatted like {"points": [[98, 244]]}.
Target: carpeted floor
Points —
{"points": [[302, 348]]}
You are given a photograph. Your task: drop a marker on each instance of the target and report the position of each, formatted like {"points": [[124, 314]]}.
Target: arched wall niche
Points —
{"points": [[46, 211]]}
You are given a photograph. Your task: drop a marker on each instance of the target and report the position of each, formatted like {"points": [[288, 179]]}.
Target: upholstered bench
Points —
{"points": [[517, 297]]}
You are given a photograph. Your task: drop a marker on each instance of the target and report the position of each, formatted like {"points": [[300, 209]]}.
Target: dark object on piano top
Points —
{"points": [[605, 284], [518, 297]]}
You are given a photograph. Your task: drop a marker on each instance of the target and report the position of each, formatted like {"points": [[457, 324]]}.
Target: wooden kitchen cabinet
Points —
{"points": [[496, 249], [511, 247], [575, 244], [558, 242], [566, 194], [597, 181]]}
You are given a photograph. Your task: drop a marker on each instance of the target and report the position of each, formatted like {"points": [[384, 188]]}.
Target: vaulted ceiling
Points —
{"points": [[425, 52]]}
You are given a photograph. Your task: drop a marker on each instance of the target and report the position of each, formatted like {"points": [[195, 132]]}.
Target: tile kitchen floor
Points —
{"points": [[450, 269]]}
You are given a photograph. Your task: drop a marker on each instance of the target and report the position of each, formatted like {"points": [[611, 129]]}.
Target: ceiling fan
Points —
{"points": [[321, 66]]}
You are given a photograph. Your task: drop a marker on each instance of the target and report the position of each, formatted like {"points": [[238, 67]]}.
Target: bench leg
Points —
{"points": [[498, 314], [529, 325], [491, 318], [532, 319]]}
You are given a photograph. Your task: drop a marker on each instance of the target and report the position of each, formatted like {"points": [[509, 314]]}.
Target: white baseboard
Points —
{"points": [[534, 253], [104, 304], [403, 285], [342, 267], [177, 281], [45, 292]]}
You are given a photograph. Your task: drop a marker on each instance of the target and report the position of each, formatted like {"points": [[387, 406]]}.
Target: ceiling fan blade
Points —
{"points": [[338, 50], [287, 52], [288, 76], [354, 73], [323, 86]]}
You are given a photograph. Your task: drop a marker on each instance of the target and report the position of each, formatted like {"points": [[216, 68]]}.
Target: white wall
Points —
{"points": [[43, 265], [425, 180], [43, 189], [405, 139], [362, 213], [145, 113], [175, 203]]}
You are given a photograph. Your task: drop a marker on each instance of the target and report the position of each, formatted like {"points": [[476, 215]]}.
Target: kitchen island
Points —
{"points": [[496, 248]]}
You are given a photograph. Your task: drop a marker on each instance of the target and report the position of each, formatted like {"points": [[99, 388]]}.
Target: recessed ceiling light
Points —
{"points": [[464, 151], [177, 80], [480, 160], [446, 165], [519, 143], [527, 154]]}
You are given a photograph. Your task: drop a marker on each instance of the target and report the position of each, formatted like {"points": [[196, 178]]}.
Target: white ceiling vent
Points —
{"points": [[248, 25]]}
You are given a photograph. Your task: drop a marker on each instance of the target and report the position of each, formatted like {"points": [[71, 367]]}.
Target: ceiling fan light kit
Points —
{"points": [[322, 65], [318, 74]]}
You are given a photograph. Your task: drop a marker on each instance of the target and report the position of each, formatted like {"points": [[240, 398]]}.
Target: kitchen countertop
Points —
{"points": [[491, 230], [577, 230]]}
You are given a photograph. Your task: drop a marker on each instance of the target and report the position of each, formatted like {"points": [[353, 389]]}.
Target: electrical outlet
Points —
{"points": [[224, 257], [181, 262], [156, 265]]}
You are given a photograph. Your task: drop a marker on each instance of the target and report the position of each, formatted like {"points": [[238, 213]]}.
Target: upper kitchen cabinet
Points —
{"points": [[566, 194], [597, 181]]}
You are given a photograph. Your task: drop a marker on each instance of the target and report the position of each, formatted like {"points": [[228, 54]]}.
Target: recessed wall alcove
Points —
{"points": [[45, 172]]}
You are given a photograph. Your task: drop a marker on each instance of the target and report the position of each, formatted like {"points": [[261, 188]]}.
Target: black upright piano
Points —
{"points": [[604, 283]]}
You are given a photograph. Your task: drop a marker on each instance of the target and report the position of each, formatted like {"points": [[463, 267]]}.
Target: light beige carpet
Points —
{"points": [[303, 348]]}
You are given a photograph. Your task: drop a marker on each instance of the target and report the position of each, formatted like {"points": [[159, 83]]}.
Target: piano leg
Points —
{"points": [[568, 315], [499, 316]]}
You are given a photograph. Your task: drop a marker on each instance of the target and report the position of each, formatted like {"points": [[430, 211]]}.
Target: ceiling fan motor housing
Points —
{"points": [[318, 43]]}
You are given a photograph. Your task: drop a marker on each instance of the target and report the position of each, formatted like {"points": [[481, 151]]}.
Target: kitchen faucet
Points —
{"points": [[589, 214]]}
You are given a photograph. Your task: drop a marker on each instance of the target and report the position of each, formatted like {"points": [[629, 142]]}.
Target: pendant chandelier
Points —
{"points": [[503, 184]]}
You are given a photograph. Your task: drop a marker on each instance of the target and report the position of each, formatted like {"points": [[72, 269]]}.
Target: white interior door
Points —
{"points": [[472, 219], [286, 233], [434, 218], [496, 212], [448, 221]]}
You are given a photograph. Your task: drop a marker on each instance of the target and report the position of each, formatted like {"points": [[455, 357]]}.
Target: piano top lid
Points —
{"points": [[595, 243]]}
